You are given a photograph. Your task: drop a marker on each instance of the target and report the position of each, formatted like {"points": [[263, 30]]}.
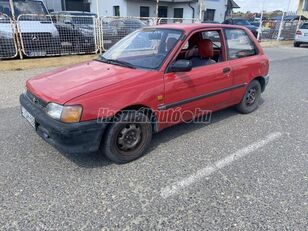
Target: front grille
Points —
{"points": [[36, 41], [35, 100]]}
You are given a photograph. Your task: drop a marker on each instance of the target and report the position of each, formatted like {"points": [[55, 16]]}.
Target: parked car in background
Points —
{"points": [[211, 22], [242, 22], [109, 34], [77, 31], [7, 40], [39, 35], [301, 36], [115, 103], [124, 27]]}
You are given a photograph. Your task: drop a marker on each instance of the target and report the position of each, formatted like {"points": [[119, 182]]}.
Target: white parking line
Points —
{"points": [[208, 170], [305, 100]]}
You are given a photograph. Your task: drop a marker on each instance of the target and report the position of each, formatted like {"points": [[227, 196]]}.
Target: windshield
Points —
{"points": [[5, 8], [83, 19], [87, 20], [145, 48], [304, 26], [29, 7], [23, 7], [242, 22]]}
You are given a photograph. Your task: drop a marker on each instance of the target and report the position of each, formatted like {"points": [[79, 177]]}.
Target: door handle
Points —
{"points": [[226, 70]]}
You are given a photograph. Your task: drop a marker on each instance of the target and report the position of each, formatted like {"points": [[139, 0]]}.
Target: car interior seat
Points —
{"points": [[205, 55], [193, 46]]}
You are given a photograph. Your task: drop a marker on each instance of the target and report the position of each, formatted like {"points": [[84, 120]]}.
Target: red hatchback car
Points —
{"points": [[143, 84]]}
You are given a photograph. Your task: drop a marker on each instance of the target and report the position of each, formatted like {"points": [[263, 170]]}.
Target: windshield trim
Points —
{"points": [[167, 55]]}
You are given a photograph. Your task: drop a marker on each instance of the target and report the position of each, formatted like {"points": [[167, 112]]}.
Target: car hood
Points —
{"points": [[63, 85]]}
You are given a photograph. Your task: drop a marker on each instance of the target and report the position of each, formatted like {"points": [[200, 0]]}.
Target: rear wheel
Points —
{"points": [[297, 44], [127, 137], [251, 99]]}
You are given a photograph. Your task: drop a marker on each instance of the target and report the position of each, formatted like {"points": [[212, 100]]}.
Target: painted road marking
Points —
{"points": [[210, 169]]}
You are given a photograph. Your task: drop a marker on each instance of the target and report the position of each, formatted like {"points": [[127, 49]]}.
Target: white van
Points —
{"points": [[39, 36]]}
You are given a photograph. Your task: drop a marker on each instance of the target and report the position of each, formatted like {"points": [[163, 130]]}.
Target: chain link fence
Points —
{"points": [[277, 30], [78, 34], [113, 29], [52, 35], [177, 20], [8, 47], [38, 35], [66, 34]]}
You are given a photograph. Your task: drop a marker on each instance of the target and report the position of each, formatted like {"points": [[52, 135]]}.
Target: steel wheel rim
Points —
{"points": [[129, 138], [251, 96]]}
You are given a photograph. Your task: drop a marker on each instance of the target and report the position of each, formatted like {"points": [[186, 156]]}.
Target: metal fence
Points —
{"points": [[277, 30], [8, 47], [51, 35], [62, 34], [177, 20], [113, 29]]}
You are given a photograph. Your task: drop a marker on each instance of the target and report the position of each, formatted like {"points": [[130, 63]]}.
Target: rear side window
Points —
{"points": [[239, 44], [304, 26]]}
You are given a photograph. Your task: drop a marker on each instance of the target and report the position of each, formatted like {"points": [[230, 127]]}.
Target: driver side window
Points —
{"points": [[203, 48]]}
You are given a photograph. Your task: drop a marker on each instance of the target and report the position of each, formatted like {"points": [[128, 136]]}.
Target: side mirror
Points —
{"points": [[181, 65]]}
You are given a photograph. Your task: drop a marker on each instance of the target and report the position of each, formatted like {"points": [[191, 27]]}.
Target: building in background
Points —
{"points": [[303, 8], [211, 10]]}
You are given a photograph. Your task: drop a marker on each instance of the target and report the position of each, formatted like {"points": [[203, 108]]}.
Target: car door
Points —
{"points": [[205, 87], [244, 60]]}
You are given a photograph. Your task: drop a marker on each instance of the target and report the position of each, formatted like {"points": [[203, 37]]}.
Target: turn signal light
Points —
{"points": [[71, 114]]}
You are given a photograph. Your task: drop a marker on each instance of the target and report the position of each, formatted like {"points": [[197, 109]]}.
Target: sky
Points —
{"points": [[269, 5]]}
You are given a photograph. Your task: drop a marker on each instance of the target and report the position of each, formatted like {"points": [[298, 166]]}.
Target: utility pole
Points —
{"points": [[12, 10], [261, 21], [201, 8], [157, 7], [97, 8], [157, 20], [282, 19]]}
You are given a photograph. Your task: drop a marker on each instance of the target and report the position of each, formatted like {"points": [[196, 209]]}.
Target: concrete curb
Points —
{"points": [[268, 44], [35, 63]]}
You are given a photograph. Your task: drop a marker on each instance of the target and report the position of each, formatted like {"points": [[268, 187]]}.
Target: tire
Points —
{"points": [[297, 44], [251, 99], [127, 137]]}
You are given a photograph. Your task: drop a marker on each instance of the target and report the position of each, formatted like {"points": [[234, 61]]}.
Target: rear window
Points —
{"points": [[304, 26]]}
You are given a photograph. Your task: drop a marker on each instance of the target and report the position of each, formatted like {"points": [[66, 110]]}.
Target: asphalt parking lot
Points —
{"points": [[241, 172]]}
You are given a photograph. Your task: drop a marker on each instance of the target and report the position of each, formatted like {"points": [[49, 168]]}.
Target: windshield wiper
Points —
{"points": [[117, 62]]}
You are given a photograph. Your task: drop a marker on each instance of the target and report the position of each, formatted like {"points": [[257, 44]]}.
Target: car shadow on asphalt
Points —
{"points": [[97, 160]]}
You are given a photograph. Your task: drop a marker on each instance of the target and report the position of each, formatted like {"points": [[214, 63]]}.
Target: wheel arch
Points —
{"points": [[146, 110], [261, 81]]}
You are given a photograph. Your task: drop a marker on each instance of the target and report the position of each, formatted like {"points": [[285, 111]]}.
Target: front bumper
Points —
{"points": [[74, 138]]}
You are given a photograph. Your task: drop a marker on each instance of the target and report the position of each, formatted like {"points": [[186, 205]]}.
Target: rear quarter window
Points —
{"points": [[304, 26], [239, 44]]}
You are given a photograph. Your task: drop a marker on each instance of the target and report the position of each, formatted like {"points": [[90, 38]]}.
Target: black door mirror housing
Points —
{"points": [[181, 65]]}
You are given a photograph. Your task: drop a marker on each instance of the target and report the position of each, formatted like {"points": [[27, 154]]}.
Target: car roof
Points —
{"points": [[195, 26]]}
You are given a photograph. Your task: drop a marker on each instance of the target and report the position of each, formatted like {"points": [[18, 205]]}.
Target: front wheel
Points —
{"points": [[297, 44], [251, 99], [128, 137]]}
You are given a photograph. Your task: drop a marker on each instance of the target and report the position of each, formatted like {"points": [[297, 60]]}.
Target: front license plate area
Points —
{"points": [[28, 116]]}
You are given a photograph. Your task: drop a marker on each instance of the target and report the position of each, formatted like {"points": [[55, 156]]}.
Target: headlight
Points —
{"points": [[67, 114]]}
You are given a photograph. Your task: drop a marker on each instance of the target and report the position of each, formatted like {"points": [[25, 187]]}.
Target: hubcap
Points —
{"points": [[129, 137], [251, 96]]}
